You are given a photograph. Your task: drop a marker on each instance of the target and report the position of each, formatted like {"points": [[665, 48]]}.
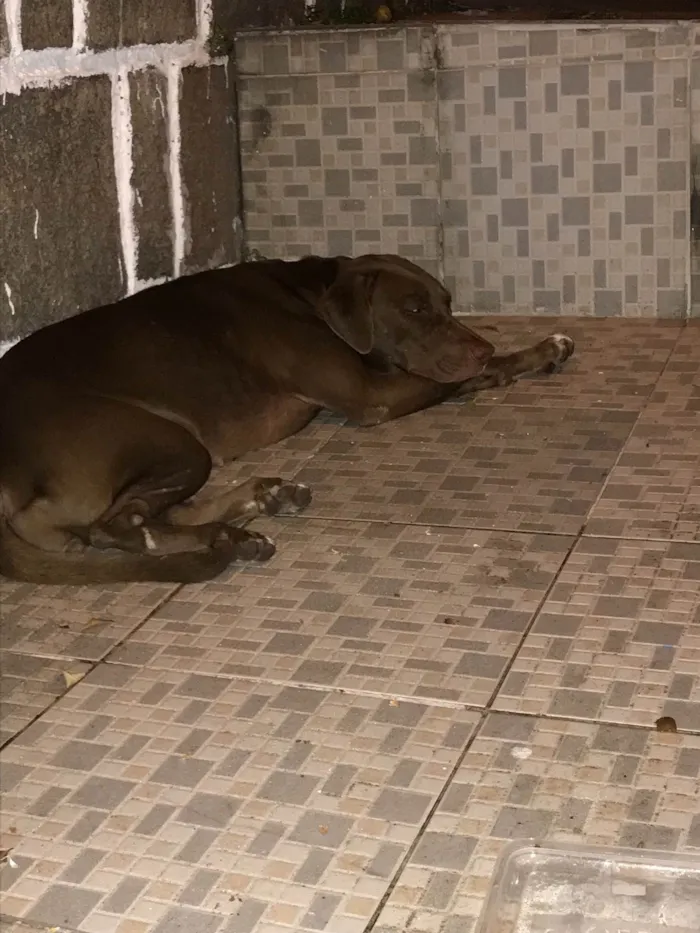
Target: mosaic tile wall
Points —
{"points": [[695, 168], [535, 169]]}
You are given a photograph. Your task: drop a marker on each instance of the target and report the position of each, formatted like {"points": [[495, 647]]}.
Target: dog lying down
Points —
{"points": [[111, 420]]}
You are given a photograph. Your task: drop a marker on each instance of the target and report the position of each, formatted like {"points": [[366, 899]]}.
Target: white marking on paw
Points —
{"points": [[148, 539], [564, 344], [561, 340]]}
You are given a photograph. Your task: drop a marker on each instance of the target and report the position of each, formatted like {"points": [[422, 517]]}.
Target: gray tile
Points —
{"points": [[672, 176], [545, 179], [188, 920], [288, 788], [574, 79], [180, 772], [400, 806], [607, 177], [81, 756], [639, 77], [444, 850], [321, 829], [514, 212], [210, 810], [512, 82], [101, 793], [63, 905]]}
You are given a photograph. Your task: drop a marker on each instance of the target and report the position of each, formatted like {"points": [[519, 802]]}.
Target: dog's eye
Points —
{"points": [[414, 307]]}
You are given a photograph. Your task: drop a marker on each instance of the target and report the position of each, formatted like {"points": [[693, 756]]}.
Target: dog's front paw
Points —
{"points": [[560, 347], [277, 497]]}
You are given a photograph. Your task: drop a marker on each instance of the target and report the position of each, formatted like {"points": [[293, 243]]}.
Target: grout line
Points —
{"points": [[177, 200], [13, 17], [123, 170], [454, 528], [92, 666], [205, 15], [436, 55], [637, 420], [405, 861], [551, 717], [51, 67], [80, 20], [528, 628]]}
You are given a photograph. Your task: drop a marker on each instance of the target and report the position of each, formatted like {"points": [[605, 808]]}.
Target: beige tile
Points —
{"points": [[345, 783]]}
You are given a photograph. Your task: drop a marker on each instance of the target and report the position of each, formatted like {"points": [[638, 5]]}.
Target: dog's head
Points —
{"points": [[393, 309]]}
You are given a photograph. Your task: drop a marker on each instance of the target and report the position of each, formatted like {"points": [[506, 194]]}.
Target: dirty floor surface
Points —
{"points": [[468, 638]]}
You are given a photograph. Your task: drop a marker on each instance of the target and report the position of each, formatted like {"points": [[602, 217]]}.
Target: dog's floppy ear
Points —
{"points": [[347, 308]]}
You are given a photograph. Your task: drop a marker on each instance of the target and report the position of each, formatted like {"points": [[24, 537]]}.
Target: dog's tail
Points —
{"points": [[24, 562]]}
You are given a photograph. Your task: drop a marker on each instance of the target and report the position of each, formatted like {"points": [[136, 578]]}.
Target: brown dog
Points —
{"points": [[110, 421]]}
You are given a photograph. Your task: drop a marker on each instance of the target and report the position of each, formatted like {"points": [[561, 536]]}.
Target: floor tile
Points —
{"points": [[10, 925], [385, 609], [618, 638], [87, 622], [678, 389], [523, 469], [80, 622], [616, 364], [157, 800], [555, 780], [28, 685], [654, 490]]}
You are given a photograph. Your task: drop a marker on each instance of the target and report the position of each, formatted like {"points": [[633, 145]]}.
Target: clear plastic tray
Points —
{"points": [[568, 889]]}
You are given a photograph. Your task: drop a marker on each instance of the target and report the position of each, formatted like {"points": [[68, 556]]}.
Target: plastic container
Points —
{"points": [[567, 889]]}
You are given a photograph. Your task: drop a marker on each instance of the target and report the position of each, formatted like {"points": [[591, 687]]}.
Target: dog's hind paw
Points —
{"points": [[244, 545], [256, 547]]}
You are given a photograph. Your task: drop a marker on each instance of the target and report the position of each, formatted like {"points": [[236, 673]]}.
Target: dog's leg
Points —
{"points": [[144, 519], [160, 539], [548, 356], [99, 511], [369, 398], [243, 503]]}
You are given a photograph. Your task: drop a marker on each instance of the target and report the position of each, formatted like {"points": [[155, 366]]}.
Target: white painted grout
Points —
{"points": [[80, 24], [204, 20], [52, 67], [123, 167], [174, 143], [13, 15], [142, 284]]}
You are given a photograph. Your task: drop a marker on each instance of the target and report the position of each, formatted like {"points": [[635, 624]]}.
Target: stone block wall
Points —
{"points": [[538, 168], [118, 153]]}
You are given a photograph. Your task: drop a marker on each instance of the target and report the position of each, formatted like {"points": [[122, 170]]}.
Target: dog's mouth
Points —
{"points": [[451, 369]]}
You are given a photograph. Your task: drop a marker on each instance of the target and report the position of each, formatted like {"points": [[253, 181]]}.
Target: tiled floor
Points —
{"points": [[468, 638]]}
